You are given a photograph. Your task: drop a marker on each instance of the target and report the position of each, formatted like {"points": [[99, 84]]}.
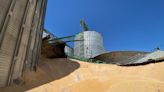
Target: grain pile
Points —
{"points": [[105, 78], [53, 50], [49, 70], [87, 77]]}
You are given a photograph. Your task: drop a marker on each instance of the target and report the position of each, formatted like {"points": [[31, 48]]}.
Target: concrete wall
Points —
{"points": [[21, 26]]}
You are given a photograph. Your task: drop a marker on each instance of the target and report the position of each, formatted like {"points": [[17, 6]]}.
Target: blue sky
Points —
{"points": [[124, 24]]}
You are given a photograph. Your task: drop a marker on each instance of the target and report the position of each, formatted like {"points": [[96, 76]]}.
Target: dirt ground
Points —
{"points": [[62, 75]]}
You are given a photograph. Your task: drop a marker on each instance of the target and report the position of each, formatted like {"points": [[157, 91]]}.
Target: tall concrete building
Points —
{"points": [[21, 26], [90, 44]]}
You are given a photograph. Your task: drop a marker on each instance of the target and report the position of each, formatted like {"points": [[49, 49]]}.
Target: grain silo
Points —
{"points": [[21, 27], [91, 44], [68, 50]]}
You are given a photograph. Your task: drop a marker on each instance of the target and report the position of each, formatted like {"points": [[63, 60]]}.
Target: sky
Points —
{"points": [[126, 25]]}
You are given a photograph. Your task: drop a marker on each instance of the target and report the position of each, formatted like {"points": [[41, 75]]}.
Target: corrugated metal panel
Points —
{"points": [[91, 46], [4, 68], [22, 37], [4, 9], [152, 56]]}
